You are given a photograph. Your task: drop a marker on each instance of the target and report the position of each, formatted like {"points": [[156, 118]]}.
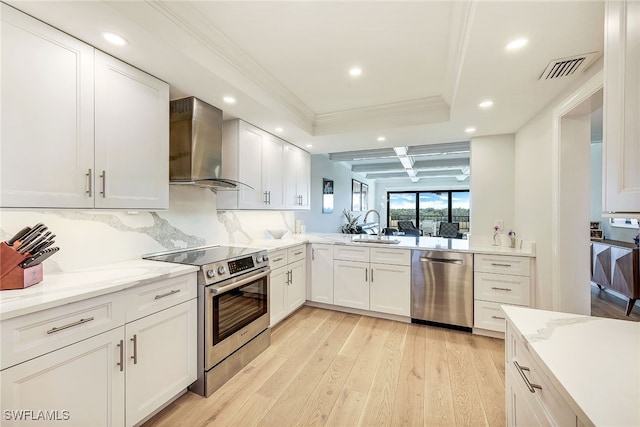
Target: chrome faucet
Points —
{"points": [[379, 225]]}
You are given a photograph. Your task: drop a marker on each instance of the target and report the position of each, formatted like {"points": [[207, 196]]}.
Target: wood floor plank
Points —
{"points": [[361, 335], [408, 408], [291, 402], [438, 399], [467, 403], [248, 414], [379, 407], [488, 379], [347, 410]]}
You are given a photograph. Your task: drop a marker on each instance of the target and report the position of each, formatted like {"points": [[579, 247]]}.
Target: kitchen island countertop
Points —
{"points": [[592, 361]]}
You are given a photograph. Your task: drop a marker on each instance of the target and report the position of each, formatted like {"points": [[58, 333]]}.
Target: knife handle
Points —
{"points": [[89, 176]]}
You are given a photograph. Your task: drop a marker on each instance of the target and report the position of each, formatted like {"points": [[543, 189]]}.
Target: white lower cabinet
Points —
{"points": [[287, 282], [383, 286], [322, 273], [109, 378], [80, 385]]}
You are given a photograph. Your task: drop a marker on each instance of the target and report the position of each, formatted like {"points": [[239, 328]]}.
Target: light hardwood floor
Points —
{"points": [[605, 304], [326, 368]]}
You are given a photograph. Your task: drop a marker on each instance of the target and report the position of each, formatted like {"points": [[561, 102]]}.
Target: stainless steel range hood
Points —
{"points": [[195, 145]]}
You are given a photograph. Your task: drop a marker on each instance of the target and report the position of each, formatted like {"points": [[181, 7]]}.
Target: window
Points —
{"points": [[427, 209]]}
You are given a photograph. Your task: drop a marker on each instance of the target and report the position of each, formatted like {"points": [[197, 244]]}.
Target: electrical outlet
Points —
{"points": [[499, 223]]}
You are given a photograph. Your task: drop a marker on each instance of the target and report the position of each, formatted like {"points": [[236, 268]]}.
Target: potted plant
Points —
{"points": [[351, 226]]}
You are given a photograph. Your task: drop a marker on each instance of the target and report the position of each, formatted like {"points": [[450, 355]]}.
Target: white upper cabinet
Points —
{"points": [[80, 129], [46, 145], [297, 178], [278, 172], [621, 173], [131, 137]]}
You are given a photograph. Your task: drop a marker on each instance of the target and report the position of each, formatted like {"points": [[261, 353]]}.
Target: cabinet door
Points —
{"points": [[351, 284], [161, 358], [250, 167], [622, 107], [46, 148], [297, 170], [277, 295], [297, 289], [322, 273], [304, 180], [272, 171], [80, 385], [132, 137], [391, 289], [522, 408]]}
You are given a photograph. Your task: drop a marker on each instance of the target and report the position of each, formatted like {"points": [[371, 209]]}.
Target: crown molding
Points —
{"points": [[459, 33], [406, 113]]}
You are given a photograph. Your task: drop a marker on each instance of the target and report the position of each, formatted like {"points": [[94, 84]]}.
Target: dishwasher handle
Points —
{"points": [[442, 260]]}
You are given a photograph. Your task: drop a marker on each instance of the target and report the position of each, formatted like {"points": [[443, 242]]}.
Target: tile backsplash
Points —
{"points": [[95, 237]]}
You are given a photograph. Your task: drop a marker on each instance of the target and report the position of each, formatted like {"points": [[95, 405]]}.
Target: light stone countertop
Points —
{"points": [[424, 243], [595, 362], [63, 288]]}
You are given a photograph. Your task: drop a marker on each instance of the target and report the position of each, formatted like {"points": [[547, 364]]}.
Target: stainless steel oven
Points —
{"points": [[233, 309]]}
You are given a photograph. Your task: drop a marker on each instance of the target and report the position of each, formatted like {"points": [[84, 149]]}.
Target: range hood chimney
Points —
{"points": [[195, 145]]}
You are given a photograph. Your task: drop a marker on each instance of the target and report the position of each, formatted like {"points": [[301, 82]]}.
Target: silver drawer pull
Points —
{"points": [[121, 363], [175, 291], [278, 259], [297, 253], [529, 384], [500, 265], [500, 289], [498, 317], [135, 349], [88, 175], [70, 325]]}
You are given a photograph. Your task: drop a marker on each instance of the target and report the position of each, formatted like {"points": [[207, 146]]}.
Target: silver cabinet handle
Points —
{"points": [[297, 253], [135, 349], [121, 362], [70, 325], [88, 175], [529, 384], [175, 291], [497, 317], [278, 259], [104, 184], [371, 274], [269, 197], [265, 197], [366, 273], [313, 254], [500, 289], [500, 265]]}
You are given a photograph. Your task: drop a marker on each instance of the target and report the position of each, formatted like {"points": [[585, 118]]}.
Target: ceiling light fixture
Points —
{"points": [[309, 145], [279, 129], [516, 44], [415, 179], [470, 130], [229, 99], [114, 39], [381, 138], [486, 104], [355, 72]]}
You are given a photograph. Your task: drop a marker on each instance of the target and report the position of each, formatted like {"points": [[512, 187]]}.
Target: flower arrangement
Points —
{"points": [[512, 235], [496, 231]]}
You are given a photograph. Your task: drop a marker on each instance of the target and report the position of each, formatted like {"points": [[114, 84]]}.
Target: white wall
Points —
{"points": [[340, 173], [533, 187], [95, 237], [492, 187]]}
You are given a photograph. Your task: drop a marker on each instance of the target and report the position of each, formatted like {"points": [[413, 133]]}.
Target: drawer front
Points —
{"points": [[390, 256], [278, 258], [488, 315], [350, 253], [296, 253], [35, 334], [502, 264], [502, 288], [150, 298], [547, 397]]}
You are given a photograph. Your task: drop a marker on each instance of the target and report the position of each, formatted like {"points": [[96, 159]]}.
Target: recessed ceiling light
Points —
{"points": [[355, 71], [309, 145], [229, 99], [486, 104], [516, 44], [470, 130], [279, 129], [381, 138], [114, 39]]}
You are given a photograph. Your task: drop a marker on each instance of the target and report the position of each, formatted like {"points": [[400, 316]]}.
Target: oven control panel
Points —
{"points": [[241, 264]]}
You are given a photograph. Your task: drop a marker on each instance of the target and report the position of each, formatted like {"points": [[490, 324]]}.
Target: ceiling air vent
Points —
{"points": [[568, 66]]}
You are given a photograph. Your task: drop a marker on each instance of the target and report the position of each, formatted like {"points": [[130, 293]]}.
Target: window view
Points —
{"points": [[426, 210]]}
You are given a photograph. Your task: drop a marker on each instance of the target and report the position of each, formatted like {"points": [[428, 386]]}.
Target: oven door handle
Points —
{"points": [[223, 289]]}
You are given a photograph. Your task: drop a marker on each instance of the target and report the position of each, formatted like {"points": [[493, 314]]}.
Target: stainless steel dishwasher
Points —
{"points": [[442, 288]]}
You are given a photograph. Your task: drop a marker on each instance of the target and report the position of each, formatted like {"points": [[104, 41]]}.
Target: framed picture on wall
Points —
{"points": [[356, 194], [364, 200], [595, 225], [596, 234], [327, 196]]}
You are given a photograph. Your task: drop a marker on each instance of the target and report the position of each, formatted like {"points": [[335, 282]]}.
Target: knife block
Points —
{"points": [[12, 276]]}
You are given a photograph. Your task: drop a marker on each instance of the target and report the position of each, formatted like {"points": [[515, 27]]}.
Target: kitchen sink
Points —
{"points": [[384, 241]]}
